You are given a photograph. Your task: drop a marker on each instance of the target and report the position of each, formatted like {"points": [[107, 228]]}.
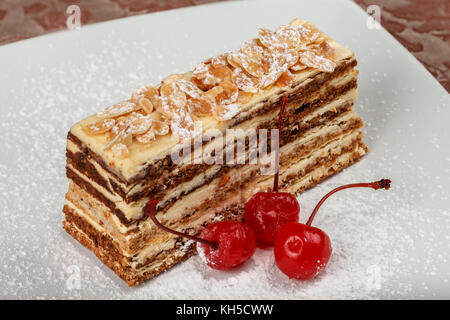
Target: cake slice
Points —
{"points": [[203, 142]]}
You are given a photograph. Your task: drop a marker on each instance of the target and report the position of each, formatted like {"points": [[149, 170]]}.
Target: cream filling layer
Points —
{"points": [[331, 148], [170, 244], [208, 192], [141, 156], [164, 241], [305, 181], [134, 209], [341, 161], [246, 125], [190, 202], [194, 224]]}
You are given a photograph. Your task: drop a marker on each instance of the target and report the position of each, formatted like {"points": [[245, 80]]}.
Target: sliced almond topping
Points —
{"points": [[207, 76], [221, 73], [143, 92], [233, 59], [219, 61], [202, 106], [99, 127], [286, 80], [308, 33], [138, 93], [266, 37], [253, 59], [120, 150], [172, 78], [156, 116], [229, 93], [290, 36], [203, 72], [278, 65], [126, 137], [141, 125], [146, 105], [163, 106], [323, 49], [244, 97], [213, 92], [157, 102], [298, 67], [183, 127], [311, 59], [121, 124], [189, 88], [226, 112], [244, 81], [118, 109], [160, 128], [147, 137], [218, 87], [175, 96]]}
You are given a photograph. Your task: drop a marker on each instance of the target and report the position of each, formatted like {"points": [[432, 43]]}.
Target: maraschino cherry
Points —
{"points": [[266, 212], [224, 244], [302, 251]]}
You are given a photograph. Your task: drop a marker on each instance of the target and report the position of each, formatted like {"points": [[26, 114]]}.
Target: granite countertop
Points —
{"points": [[423, 27]]}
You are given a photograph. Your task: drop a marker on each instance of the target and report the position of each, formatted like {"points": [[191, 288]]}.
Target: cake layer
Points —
{"points": [[121, 158], [343, 121], [301, 118], [103, 247], [134, 271], [323, 130], [165, 174], [132, 238], [143, 159]]}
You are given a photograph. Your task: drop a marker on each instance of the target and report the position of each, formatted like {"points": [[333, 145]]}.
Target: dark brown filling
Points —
{"points": [[168, 180], [79, 161], [325, 161], [105, 248], [289, 137], [89, 188], [157, 169], [98, 238], [234, 212], [301, 129], [286, 137], [223, 193]]}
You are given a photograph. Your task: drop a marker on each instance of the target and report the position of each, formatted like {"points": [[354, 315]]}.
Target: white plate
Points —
{"points": [[387, 244]]}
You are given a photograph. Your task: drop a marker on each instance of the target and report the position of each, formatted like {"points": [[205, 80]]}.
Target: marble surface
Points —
{"points": [[423, 27]]}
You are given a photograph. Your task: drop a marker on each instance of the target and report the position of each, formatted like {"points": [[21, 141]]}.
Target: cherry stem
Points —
{"points": [[150, 210], [277, 151], [381, 184]]}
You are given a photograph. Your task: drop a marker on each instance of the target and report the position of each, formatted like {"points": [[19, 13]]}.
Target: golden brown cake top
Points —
{"points": [[155, 117]]}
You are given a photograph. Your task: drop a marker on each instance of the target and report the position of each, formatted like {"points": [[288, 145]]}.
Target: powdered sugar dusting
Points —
{"points": [[386, 244], [185, 247]]}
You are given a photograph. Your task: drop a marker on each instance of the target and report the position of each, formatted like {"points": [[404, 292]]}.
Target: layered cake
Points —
{"points": [[202, 143]]}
